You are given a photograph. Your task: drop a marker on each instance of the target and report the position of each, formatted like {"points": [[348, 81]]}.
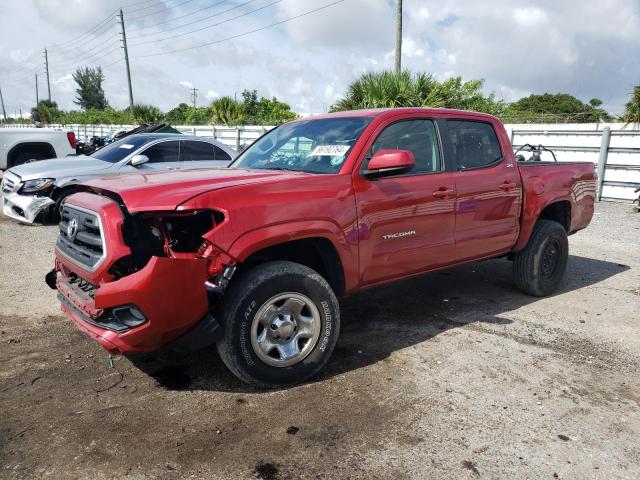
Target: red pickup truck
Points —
{"points": [[254, 257]]}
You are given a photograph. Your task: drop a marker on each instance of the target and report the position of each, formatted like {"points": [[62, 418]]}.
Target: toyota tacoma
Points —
{"points": [[254, 258]]}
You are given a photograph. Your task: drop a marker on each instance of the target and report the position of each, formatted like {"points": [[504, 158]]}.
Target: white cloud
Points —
{"points": [[529, 16], [518, 47]]}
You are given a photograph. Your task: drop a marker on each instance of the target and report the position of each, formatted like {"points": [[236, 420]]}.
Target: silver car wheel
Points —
{"points": [[285, 329]]}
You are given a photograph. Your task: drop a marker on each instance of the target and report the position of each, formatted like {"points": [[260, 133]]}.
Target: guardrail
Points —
{"points": [[235, 137]]}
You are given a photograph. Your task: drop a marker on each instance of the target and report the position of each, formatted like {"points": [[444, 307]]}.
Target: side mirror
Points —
{"points": [[137, 160], [520, 158], [390, 162]]}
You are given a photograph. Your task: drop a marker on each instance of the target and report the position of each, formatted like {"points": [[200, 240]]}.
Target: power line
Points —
{"points": [[197, 21], [88, 32], [210, 26], [84, 46], [156, 13], [243, 34], [181, 16]]}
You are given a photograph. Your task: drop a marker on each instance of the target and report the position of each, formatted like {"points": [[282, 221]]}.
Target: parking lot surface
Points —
{"points": [[451, 375]]}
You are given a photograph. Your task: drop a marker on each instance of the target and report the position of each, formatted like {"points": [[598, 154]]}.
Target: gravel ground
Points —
{"points": [[452, 375]]}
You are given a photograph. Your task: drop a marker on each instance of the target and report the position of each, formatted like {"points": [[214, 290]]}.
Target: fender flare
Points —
{"points": [[531, 214], [270, 235]]}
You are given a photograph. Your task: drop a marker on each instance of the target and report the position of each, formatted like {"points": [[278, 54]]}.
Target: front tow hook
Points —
{"points": [[50, 279]]}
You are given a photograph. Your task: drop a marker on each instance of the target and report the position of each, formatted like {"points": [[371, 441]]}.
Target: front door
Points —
{"points": [[406, 221]]}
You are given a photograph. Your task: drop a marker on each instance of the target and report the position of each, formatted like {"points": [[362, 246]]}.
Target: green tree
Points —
{"points": [[266, 111], [178, 115], [226, 111], [48, 111], [146, 114], [559, 107], [273, 112], [90, 94], [198, 116], [632, 108], [250, 101]]}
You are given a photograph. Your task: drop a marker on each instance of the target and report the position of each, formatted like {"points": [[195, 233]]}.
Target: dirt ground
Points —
{"points": [[452, 375]]}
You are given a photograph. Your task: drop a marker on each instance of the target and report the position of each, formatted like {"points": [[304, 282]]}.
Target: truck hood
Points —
{"points": [[60, 167], [167, 190]]}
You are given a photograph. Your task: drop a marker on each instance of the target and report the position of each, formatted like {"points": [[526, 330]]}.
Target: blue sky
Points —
{"points": [[588, 49]]}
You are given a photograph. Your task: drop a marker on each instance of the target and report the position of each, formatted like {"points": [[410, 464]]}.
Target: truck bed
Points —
{"points": [[573, 184]]}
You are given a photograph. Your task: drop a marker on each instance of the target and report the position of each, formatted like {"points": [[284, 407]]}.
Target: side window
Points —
{"points": [[417, 136], [193, 151], [221, 154], [163, 152], [475, 144]]}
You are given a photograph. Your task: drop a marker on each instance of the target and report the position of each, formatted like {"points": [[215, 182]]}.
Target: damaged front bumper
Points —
{"points": [[24, 208], [163, 303]]}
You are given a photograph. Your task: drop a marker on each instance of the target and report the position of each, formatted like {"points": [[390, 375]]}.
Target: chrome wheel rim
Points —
{"points": [[285, 329]]}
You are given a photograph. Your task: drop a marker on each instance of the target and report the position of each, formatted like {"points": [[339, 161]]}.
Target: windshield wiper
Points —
{"points": [[282, 168]]}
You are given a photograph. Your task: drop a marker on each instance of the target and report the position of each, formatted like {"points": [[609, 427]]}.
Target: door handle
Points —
{"points": [[507, 186], [443, 192]]}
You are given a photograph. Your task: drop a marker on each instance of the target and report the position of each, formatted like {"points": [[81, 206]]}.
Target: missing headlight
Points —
{"points": [[185, 231]]}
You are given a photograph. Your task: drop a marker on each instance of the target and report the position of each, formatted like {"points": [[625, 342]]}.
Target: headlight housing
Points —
{"points": [[37, 185]]}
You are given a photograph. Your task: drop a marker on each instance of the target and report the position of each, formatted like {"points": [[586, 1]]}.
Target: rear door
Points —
{"points": [[406, 221], [202, 154], [488, 188], [163, 155]]}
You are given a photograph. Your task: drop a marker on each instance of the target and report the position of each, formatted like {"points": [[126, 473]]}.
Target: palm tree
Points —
{"points": [[391, 89], [632, 108], [226, 111], [387, 89]]}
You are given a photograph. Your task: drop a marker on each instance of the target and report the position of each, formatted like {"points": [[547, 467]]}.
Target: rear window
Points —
{"points": [[475, 144]]}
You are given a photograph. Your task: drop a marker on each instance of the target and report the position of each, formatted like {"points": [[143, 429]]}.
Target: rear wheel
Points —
{"points": [[27, 158], [539, 268], [281, 322]]}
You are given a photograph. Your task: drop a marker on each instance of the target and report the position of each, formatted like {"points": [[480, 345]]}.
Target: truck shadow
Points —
{"points": [[377, 322]]}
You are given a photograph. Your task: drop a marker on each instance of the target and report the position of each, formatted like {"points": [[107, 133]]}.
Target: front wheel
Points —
{"points": [[540, 266], [281, 322]]}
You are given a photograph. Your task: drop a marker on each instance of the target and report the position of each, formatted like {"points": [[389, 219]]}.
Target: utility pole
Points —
{"points": [[4, 112], [46, 66], [194, 96], [37, 98], [398, 36], [126, 59]]}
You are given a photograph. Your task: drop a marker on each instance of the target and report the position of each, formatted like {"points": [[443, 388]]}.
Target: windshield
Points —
{"points": [[314, 146], [116, 151]]}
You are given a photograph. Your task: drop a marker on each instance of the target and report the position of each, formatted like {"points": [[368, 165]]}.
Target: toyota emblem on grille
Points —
{"points": [[72, 228]]}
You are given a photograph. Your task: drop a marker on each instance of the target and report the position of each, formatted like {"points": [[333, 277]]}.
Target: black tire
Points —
{"points": [[242, 302], [54, 213], [26, 157], [540, 266]]}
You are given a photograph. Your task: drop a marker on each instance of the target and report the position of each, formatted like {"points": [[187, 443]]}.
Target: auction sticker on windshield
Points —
{"points": [[333, 150], [127, 146]]}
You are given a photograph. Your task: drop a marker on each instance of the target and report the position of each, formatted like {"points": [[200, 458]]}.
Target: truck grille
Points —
{"points": [[80, 237]]}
